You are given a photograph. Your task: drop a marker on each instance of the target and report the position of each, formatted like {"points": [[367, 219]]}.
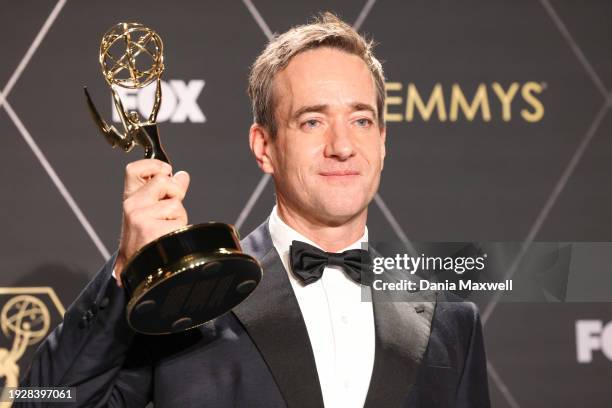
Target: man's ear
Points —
{"points": [[383, 149], [261, 143]]}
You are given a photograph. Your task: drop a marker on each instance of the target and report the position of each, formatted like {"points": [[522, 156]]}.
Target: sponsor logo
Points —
{"points": [[179, 101], [593, 335], [487, 102], [26, 316]]}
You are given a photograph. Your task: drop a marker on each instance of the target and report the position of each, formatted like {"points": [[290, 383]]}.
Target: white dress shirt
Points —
{"points": [[340, 326]]}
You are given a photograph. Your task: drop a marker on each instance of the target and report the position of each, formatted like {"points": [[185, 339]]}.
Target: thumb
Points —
{"points": [[182, 179]]}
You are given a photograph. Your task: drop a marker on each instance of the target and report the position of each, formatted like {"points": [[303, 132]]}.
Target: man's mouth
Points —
{"points": [[339, 174]]}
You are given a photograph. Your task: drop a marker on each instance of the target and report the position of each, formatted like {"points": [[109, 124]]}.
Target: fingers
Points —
{"points": [[165, 210], [182, 178], [161, 187], [139, 173]]}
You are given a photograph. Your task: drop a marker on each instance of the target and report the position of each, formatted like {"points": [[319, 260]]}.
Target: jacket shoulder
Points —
{"points": [[259, 242]]}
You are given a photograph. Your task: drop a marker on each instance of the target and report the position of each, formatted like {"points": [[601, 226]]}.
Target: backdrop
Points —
{"points": [[499, 129]]}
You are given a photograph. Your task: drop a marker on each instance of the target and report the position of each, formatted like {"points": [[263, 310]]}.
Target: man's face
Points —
{"points": [[328, 153]]}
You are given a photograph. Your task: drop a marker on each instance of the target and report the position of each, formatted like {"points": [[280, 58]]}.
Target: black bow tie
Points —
{"points": [[308, 262]]}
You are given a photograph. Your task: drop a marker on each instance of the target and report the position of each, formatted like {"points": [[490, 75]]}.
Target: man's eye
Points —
{"points": [[363, 122], [311, 123]]}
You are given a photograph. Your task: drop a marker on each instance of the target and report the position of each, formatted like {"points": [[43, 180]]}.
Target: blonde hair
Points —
{"points": [[327, 30]]}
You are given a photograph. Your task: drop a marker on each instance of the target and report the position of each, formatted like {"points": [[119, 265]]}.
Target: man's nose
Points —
{"points": [[339, 142]]}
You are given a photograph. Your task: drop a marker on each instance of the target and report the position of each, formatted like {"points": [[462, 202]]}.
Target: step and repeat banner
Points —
{"points": [[499, 117]]}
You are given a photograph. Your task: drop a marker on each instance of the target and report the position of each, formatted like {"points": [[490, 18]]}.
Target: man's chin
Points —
{"points": [[339, 213]]}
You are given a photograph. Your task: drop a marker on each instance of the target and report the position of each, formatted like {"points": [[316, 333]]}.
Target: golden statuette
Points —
{"points": [[131, 56], [194, 274]]}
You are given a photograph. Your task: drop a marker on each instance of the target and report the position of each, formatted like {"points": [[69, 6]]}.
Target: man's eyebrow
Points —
{"points": [[355, 107], [309, 108], [359, 106]]}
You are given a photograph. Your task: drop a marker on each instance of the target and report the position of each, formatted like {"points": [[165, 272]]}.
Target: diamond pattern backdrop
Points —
{"points": [[536, 168]]}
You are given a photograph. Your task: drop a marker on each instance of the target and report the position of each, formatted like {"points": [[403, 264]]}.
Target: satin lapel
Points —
{"points": [[402, 334], [272, 318]]}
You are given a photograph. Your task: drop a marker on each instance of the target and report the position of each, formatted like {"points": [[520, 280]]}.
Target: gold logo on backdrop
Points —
{"points": [[25, 320], [407, 104]]}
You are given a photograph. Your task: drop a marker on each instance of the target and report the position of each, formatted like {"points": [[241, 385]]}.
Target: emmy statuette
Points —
{"points": [[196, 273]]}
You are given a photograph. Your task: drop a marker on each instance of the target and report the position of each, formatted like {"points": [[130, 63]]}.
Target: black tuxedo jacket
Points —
{"points": [[428, 352]]}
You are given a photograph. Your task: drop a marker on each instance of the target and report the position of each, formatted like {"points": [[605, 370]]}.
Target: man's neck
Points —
{"points": [[329, 238]]}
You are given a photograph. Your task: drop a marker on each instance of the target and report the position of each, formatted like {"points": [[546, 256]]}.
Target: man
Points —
{"points": [[318, 99]]}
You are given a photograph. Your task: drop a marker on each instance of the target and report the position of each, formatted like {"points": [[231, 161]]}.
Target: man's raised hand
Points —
{"points": [[152, 206]]}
